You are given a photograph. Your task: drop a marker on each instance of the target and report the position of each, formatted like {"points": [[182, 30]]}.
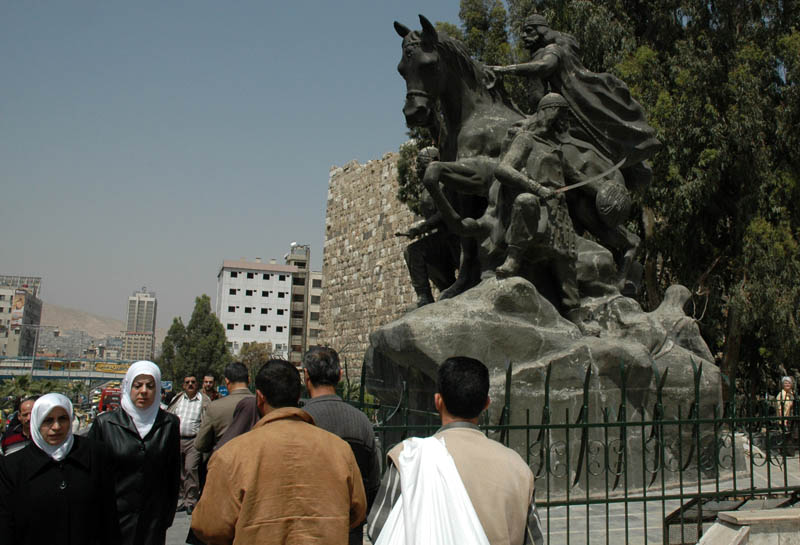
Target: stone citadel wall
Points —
{"points": [[366, 282]]}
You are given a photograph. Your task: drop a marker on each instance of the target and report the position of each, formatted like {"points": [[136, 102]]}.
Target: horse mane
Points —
{"points": [[455, 54]]}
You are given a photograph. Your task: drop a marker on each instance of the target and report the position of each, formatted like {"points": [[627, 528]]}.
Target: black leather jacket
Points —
{"points": [[146, 474]]}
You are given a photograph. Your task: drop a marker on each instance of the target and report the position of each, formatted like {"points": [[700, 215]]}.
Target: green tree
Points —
{"points": [[25, 385], [170, 361], [204, 349], [253, 356]]}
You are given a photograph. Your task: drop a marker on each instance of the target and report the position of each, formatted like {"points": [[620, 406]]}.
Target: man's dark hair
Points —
{"points": [[463, 384], [190, 375], [210, 374], [237, 372], [322, 366], [279, 383]]}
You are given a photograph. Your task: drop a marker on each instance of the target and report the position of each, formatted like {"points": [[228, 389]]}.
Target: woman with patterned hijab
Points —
{"points": [[57, 488], [145, 444]]}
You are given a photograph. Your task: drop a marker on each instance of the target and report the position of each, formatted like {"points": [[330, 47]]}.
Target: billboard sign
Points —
{"points": [[105, 367], [18, 308]]}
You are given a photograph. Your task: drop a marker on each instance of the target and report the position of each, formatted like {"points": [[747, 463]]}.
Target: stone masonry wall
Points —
{"points": [[365, 275]]}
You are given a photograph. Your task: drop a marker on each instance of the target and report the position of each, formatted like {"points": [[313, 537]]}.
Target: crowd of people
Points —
{"points": [[257, 468]]}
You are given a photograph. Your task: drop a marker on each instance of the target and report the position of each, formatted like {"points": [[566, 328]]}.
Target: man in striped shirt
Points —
{"points": [[189, 406]]}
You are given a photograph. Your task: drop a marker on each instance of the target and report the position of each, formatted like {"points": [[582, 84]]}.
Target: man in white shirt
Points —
{"points": [[189, 406]]}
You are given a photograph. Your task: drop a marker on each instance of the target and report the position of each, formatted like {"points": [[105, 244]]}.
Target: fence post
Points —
{"points": [[505, 414]]}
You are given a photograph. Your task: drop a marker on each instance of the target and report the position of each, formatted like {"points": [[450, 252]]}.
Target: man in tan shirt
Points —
{"points": [[285, 481], [498, 482]]}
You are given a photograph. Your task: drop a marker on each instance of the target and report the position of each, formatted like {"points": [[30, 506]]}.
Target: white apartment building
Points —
{"points": [[254, 303], [20, 314]]}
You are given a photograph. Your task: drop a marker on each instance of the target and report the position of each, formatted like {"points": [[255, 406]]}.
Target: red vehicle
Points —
{"points": [[109, 399]]}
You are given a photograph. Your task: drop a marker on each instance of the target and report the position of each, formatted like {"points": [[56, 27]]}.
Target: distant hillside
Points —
{"points": [[98, 327]]}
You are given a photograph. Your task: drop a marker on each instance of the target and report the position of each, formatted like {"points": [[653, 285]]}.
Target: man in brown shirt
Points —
{"points": [[284, 481]]}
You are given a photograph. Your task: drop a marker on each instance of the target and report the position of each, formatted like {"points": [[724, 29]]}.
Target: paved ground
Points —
{"points": [[569, 525]]}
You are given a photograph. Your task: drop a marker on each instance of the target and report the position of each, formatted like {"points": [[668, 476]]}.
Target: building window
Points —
{"points": [[297, 298], [247, 327], [279, 328], [231, 309], [315, 299], [280, 312], [313, 333], [300, 264], [265, 293], [297, 314], [248, 310], [282, 277], [248, 292], [297, 331], [316, 283], [265, 276], [234, 274], [264, 310], [281, 294], [249, 276], [262, 328], [232, 291], [315, 316], [297, 281], [230, 326]]}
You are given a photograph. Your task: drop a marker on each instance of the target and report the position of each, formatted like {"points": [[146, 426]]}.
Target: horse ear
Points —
{"points": [[489, 78], [429, 33], [402, 30]]}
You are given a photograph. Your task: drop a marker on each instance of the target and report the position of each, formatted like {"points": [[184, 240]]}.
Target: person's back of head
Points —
{"points": [[278, 381], [322, 366], [236, 372], [463, 384]]}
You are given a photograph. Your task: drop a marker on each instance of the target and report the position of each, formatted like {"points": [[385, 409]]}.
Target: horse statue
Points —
{"points": [[477, 117], [479, 121]]}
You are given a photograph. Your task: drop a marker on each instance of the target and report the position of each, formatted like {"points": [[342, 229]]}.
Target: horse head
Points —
{"points": [[420, 67]]}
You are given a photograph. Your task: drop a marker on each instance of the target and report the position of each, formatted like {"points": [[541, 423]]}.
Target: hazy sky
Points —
{"points": [[141, 143]]}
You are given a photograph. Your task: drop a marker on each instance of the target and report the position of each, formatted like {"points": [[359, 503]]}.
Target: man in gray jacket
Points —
{"points": [[331, 413]]}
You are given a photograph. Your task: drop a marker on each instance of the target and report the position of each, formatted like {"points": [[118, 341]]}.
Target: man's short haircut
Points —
{"points": [[463, 384], [322, 366], [279, 383], [192, 375], [237, 372], [210, 374]]}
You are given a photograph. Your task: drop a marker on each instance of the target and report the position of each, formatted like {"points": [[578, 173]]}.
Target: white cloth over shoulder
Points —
{"points": [[434, 507]]}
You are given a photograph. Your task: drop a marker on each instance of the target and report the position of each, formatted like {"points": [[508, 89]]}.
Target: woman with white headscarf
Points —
{"points": [[57, 489], [145, 444]]}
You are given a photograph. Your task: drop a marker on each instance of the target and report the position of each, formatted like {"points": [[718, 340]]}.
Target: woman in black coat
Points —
{"points": [[57, 489], [145, 444]]}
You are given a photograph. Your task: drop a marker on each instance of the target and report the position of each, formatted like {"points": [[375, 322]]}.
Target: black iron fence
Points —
{"points": [[639, 474]]}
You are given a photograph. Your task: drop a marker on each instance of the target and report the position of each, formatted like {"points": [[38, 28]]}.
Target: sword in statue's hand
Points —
{"points": [[600, 176]]}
